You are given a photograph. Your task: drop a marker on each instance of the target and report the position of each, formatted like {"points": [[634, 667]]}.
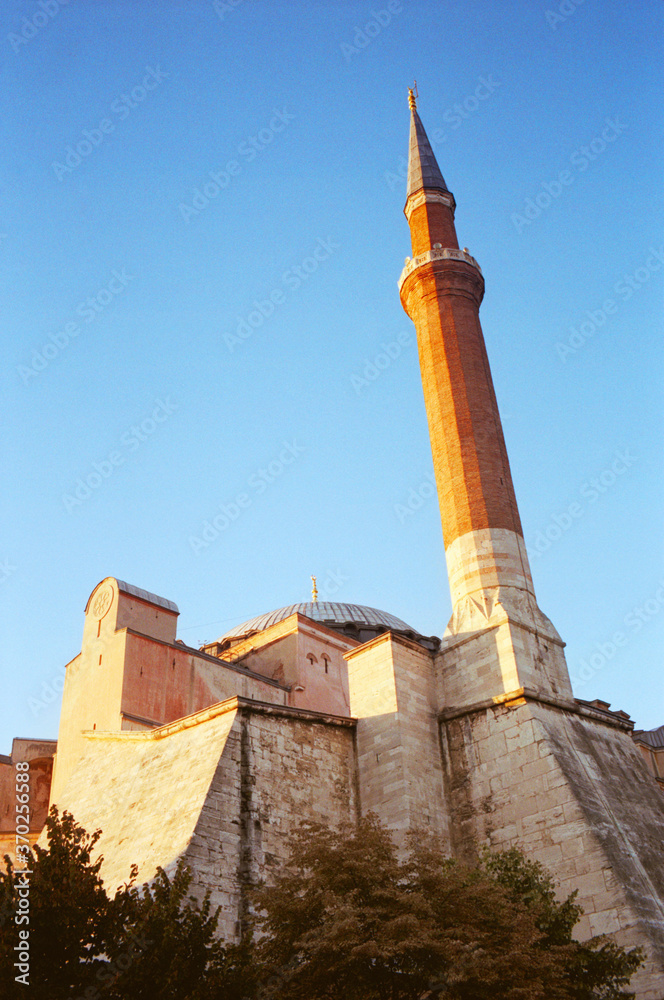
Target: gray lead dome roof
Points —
{"points": [[325, 612]]}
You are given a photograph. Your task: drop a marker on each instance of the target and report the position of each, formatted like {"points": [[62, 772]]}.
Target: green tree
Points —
{"points": [[70, 917], [166, 948], [347, 918], [597, 968], [149, 943]]}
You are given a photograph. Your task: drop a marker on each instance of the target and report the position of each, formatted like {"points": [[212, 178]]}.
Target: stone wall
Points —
{"points": [[393, 696], [39, 755], [223, 789], [304, 655], [572, 791], [279, 767], [126, 679], [166, 681], [497, 642], [146, 791]]}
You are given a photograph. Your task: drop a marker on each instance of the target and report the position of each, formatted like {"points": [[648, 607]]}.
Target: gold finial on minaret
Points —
{"points": [[412, 95], [314, 590]]}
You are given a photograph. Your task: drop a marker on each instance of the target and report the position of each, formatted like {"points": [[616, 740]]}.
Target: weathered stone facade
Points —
{"points": [[221, 789], [39, 755], [567, 785], [351, 727], [651, 745]]}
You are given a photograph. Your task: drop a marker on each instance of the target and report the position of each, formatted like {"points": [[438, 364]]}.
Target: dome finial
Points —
{"points": [[314, 590], [412, 96]]}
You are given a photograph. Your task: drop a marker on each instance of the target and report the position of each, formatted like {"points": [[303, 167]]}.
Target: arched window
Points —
{"points": [[326, 660], [312, 659]]}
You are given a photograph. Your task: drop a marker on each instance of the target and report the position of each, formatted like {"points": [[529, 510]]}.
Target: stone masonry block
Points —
{"points": [[606, 922]]}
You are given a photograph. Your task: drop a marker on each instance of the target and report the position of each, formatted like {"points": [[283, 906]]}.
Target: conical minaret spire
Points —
{"points": [[441, 290], [423, 169]]}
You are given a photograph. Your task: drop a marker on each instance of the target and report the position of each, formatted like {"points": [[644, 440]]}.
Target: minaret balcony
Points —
{"points": [[443, 253]]}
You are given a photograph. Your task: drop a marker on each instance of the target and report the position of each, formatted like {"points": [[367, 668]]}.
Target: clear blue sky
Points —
{"points": [[123, 293]]}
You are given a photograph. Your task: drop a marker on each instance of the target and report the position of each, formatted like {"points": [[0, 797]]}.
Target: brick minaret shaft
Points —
{"points": [[441, 290]]}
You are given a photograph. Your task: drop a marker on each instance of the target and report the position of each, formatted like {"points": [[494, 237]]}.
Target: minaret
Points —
{"points": [[441, 290]]}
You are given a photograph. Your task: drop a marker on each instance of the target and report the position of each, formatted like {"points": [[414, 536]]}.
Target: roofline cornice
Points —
{"points": [[235, 704]]}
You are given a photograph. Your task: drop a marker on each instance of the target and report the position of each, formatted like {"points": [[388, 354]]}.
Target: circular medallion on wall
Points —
{"points": [[102, 602]]}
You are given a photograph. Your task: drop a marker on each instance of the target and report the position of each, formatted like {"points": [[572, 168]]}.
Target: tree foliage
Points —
{"points": [[149, 943], [348, 918]]}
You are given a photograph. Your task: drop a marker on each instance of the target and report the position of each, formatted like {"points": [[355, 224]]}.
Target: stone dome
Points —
{"points": [[355, 620]]}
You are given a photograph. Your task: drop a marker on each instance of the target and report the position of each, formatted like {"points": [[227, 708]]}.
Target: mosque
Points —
{"points": [[327, 710]]}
